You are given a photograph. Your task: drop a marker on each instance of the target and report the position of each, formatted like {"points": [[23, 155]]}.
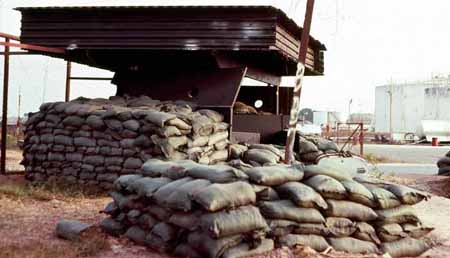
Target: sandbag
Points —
{"points": [[327, 187], [171, 169], [443, 162], [165, 231], [159, 118], [158, 244], [136, 234], [326, 145], [444, 171], [212, 248], [359, 193], [366, 232], [165, 191], [340, 227], [305, 146], [416, 230], [391, 232], [216, 173], [350, 210], [181, 198], [265, 193], [268, 147], [227, 223], [147, 186], [302, 195], [185, 250], [276, 174], [353, 245], [123, 182], [71, 229], [112, 227], [220, 196], [336, 173], [406, 194], [146, 221], [311, 229], [384, 198], [399, 215], [285, 209], [406, 247], [316, 242], [246, 250], [281, 227], [261, 156], [186, 220], [158, 212], [127, 202]]}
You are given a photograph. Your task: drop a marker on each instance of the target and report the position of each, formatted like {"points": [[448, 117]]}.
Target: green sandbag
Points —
{"points": [[186, 220], [399, 215], [302, 195], [406, 194], [281, 227], [276, 174], [391, 232], [212, 248], [336, 173], [350, 210], [311, 229], [416, 230], [265, 193], [353, 245], [285, 209], [220, 196], [165, 191], [327, 187], [406, 247], [359, 193], [246, 250], [384, 198], [366, 232], [181, 198], [226, 223], [340, 227], [316, 242], [147, 186], [216, 173], [171, 169]]}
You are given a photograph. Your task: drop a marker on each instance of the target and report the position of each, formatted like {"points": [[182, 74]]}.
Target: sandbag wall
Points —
{"points": [[93, 141], [193, 210], [312, 147]]}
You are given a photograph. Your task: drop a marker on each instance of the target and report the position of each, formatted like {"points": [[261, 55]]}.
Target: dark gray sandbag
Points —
{"points": [[226, 223], [133, 216], [212, 248], [406, 247], [181, 198], [216, 173], [184, 250], [158, 212], [246, 250], [310, 158], [399, 215], [359, 193], [306, 146], [74, 121], [445, 171], [311, 229], [350, 210], [186, 220], [407, 195], [326, 145], [391, 232], [265, 193], [268, 147], [340, 227], [366, 232], [171, 169], [316, 242], [327, 187], [443, 162], [336, 173], [146, 221], [220, 196], [384, 199], [124, 202], [165, 231], [285, 209], [281, 227], [136, 234], [111, 209], [353, 245], [159, 118], [416, 230], [71, 229], [123, 182], [158, 244], [275, 174], [165, 191], [261, 156], [112, 227], [302, 195], [147, 186]]}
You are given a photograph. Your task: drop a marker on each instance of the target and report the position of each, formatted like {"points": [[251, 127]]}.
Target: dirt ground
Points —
{"points": [[27, 221]]}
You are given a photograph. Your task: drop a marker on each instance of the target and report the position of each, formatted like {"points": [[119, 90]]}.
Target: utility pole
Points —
{"points": [[295, 109]]}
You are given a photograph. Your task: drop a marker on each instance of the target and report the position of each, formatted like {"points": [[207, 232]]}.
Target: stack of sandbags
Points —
{"points": [[311, 147], [189, 210], [444, 165], [94, 141]]}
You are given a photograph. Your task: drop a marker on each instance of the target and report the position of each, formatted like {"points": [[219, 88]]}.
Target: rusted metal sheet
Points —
{"points": [[266, 125]]}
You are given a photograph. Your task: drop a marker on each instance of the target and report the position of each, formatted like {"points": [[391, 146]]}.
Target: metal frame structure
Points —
{"points": [[360, 127], [7, 44]]}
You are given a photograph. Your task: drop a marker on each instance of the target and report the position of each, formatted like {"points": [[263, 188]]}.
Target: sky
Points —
{"points": [[369, 43]]}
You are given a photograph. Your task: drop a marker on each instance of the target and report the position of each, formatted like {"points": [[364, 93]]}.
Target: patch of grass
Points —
{"points": [[374, 159], [40, 249]]}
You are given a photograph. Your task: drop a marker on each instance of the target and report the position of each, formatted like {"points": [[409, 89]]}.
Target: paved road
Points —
{"points": [[405, 168]]}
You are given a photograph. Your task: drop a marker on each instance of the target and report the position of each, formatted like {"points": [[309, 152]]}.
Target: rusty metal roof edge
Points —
{"points": [[280, 13]]}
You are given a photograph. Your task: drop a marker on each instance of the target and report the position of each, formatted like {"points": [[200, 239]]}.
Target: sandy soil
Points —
{"points": [[28, 220]]}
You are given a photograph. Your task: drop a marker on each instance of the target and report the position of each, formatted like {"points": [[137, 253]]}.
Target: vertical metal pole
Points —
{"points": [[68, 75], [295, 109], [361, 140], [5, 109]]}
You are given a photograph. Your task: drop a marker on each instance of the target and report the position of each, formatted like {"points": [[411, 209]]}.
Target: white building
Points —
{"points": [[401, 107]]}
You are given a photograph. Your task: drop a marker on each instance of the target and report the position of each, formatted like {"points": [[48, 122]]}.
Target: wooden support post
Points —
{"points": [[68, 75], [295, 109], [5, 109]]}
